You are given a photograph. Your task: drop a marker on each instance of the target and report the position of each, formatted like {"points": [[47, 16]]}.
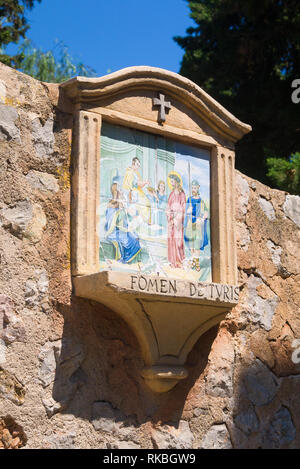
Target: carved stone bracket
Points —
{"points": [[167, 316]]}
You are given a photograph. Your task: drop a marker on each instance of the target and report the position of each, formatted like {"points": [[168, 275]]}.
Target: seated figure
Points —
{"points": [[126, 244]]}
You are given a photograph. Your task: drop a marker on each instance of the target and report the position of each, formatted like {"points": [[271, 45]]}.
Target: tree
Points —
{"points": [[13, 26], [53, 66], [246, 55], [285, 173]]}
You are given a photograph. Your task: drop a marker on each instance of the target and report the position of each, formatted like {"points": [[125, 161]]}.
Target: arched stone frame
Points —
{"points": [[124, 98]]}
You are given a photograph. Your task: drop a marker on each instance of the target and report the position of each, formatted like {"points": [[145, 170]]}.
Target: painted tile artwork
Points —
{"points": [[155, 205]]}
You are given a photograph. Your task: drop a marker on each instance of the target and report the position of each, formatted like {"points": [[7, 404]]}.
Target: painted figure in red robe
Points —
{"points": [[175, 215]]}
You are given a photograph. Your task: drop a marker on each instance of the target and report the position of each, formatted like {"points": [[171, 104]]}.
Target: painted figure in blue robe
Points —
{"points": [[195, 225], [162, 202], [126, 244], [159, 201]]}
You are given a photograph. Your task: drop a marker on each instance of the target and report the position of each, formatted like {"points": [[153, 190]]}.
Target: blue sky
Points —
{"points": [[109, 35]]}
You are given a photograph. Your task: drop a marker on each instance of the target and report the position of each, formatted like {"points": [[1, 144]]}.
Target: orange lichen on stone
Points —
{"points": [[11, 434], [64, 177]]}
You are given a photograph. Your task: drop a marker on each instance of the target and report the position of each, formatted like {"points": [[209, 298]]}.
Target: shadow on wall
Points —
{"points": [[266, 411], [227, 401], [98, 371]]}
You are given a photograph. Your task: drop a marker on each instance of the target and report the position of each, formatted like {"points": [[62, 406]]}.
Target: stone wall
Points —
{"points": [[70, 368]]}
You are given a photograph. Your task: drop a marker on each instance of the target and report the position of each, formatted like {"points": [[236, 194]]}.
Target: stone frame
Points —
{"points": [[215, 129], [86, 186]]}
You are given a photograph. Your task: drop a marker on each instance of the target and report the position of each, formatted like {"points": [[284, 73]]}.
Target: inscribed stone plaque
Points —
{"points": [[154, 205]]}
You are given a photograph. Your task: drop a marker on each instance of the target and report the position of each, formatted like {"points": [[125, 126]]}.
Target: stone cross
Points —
{"points": [[164, 105]]}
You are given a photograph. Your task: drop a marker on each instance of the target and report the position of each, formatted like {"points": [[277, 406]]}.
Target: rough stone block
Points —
{"points": [[42, 181], [291, 208], [217, 437], [260, 384], [8, 129], [43, 137], [170, 437]]}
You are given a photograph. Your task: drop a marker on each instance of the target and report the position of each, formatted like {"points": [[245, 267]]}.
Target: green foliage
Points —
{"points": [[53, 66], [246, 55], [285, 173], [13, 26]]}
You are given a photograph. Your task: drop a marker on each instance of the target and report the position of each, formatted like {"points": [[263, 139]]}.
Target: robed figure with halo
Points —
{"points": [[175, 217]]}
